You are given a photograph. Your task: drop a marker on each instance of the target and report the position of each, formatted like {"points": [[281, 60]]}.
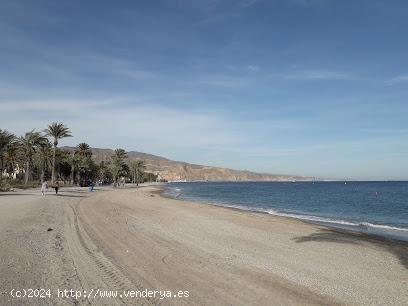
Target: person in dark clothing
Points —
{"points": [[56, 187]]}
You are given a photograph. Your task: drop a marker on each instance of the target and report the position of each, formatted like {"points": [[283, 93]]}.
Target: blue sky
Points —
{"points": [[308, 87]]}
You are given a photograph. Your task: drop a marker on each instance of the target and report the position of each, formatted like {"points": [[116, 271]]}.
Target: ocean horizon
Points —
{"points": [[372, 207]]}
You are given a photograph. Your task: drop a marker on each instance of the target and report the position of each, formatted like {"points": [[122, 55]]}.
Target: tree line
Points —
{"points": [[36, 157]]}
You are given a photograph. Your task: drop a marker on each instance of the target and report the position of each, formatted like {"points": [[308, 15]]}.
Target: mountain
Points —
{"points": [[171, 170]]}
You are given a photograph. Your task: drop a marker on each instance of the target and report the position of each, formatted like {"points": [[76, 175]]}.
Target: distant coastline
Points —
{"points": [[171, 170]]}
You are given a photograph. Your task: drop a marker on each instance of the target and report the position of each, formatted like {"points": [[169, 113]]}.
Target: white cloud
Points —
{"points": [[109, 123], [140, 126], [225, 81], [247, 3], [398, 79], [253, 68], [318, 75]]}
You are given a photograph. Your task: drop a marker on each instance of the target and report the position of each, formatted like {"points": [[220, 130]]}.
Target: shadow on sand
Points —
{"points": [[15, 194], [75, 191], [68, 196], [397, 248]]}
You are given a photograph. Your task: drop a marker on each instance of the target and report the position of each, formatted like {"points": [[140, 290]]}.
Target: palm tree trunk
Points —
{"points": [[27, 172], [53, 165], [13, 167], [1, 168], [42, 175], [72, 169], [72, 176]]}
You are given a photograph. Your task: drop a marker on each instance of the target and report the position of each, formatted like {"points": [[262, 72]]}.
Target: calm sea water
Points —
{"points": [[373, 207]]}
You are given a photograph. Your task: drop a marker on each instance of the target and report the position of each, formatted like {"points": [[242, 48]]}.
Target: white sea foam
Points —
{"points": [[378, 229], [366, 227], [363, 225], [173, 192], [322, 220], [384, 227]]}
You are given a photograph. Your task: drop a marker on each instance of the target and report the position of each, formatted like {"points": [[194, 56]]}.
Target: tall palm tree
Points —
{"points": [[118, 165], [6, 139], [83, 159], [72, 167], [56, 131], [137, 167], [63, 163], [45, 154], [29, 145]]}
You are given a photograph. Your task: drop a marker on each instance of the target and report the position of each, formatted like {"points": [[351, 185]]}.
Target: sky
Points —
{"points": [[306, 87]]}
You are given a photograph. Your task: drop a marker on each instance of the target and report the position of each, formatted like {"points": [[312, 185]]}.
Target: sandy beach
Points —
{"points": [[135, 239]]}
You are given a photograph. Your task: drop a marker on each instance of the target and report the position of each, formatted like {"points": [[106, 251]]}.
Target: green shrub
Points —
{"points": [[8, 184], [4, 186]]}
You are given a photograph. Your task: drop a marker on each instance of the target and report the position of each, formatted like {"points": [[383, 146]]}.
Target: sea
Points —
{"points": [[378, 208]]}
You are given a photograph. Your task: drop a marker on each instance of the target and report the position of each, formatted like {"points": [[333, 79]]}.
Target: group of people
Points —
{"points": [[44, 187], [56, 186]]}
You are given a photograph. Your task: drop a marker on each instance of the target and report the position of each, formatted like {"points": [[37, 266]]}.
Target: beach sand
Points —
{"points": [[134, 239]]}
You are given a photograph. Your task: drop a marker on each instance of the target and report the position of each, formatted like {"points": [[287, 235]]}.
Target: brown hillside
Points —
{"points": [[176, 170]]}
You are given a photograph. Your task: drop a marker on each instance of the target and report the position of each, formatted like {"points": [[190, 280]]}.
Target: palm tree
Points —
{"points": [[45, 154], [29, 145], [56, 131], [12, 156], [118, 166], [63, 163], [73, 162], [83, 159], [104, 172], [137, 167], [83, 149], [6, 139]]}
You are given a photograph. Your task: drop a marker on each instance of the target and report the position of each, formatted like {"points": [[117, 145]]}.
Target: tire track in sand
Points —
{"points": [[111, 275]]}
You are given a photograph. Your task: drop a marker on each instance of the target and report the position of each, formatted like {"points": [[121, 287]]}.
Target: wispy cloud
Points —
{"points": [[222, 81], [248, 3], [308, 3], [319, 75], [109, 122], [398, 79], [156, 127], [253, 68]]}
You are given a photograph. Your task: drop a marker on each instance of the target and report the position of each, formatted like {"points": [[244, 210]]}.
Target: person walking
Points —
{"points": [[56, 187], [44, 187]]}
